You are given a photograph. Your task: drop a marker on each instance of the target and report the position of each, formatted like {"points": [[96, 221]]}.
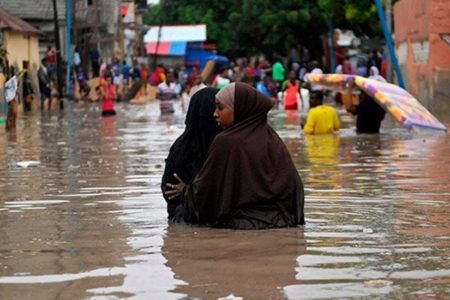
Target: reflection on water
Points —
{"points": [[89, 221], [322, 154], [216, 263]]}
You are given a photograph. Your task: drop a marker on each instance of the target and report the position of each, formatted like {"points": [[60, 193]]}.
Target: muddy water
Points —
{"points": [[89, 222]]}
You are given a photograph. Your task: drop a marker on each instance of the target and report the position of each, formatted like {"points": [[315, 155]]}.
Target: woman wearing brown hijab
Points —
{"points": [[248, 180]]}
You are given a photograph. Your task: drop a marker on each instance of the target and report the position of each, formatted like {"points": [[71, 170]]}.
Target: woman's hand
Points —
{"points": [[175, 190]]}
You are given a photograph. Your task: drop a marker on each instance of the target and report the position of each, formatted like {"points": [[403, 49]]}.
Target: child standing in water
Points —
{"points": [[108, 94]]}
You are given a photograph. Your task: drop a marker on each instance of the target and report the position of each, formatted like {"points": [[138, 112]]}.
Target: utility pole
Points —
{"points": [[389, 27], [331, 45], [68, 45], [59, 73], [389, 43], [161, 22], [120, 36], [96, 23], [120, 29]]}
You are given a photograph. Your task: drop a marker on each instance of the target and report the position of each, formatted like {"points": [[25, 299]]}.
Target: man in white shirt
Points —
{"points": [[168, 91]]}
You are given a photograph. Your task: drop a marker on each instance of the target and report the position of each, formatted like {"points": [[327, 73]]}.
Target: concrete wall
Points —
{"points": [[424, 56], [22, 47]]}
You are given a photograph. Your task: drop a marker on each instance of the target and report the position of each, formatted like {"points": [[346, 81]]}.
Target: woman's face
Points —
{"points": [[223, 115]]}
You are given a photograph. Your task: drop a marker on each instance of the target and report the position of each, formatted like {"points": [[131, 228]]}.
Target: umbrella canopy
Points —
{"points": [[406, 109]]}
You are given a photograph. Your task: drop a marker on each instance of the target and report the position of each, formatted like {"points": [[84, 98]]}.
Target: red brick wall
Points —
{"points": [[427, 72], [412, 19], [440, 23]]}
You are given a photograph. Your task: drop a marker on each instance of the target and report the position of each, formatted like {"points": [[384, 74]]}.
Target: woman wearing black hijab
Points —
{"points": [[188, 152], [248, 180]]}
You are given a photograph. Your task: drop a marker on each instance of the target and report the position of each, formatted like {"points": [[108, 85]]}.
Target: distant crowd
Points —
{"points": [[282, 79]]}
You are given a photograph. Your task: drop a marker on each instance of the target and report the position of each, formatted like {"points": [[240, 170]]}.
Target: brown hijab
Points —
{"points": [[248, 180]]}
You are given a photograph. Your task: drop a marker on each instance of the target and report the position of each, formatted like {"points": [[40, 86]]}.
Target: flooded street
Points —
{"points": [[89, 221]]}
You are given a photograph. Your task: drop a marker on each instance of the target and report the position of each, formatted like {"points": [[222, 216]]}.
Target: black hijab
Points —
{"points": [[248, 180], [188, 152]]}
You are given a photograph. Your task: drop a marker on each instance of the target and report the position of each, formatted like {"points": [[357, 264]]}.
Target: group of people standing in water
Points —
{"points": [[229, 168]]}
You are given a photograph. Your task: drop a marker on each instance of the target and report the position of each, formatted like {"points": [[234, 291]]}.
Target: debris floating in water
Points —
{"points": [[230, 297], [28, 163], [377, 283], [171, 129]]}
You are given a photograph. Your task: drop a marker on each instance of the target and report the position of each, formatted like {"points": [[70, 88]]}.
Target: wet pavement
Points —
{"points": [[87, 220]]}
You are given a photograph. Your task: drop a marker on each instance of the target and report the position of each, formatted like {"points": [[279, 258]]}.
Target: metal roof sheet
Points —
{"points": [[177, 33], [8, 21]]}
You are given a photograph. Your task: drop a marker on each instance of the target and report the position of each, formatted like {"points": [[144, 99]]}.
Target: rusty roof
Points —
{"points": [[39, 10], [8, 21]]}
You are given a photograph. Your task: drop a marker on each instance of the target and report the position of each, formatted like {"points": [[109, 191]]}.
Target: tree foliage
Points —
{"points": [[255, 26], [358, 15]]}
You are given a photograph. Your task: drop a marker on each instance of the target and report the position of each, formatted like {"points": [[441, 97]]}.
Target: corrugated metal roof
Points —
{"points": [[34, 9], [179, 33], [8, 21]]}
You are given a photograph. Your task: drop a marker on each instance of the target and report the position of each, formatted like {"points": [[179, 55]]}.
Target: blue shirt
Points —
{"points": [[262, 88], [125, 71]]}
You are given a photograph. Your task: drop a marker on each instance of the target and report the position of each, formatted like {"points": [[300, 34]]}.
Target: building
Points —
{"points": [[20, 40], [96, 25], [422, 38], [39, 13]]}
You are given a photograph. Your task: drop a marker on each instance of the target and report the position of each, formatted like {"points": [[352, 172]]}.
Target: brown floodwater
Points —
{"points": [[87, 220]]}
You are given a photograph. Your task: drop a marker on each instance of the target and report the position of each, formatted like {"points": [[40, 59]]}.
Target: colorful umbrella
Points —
{"points": [[396, 101]]}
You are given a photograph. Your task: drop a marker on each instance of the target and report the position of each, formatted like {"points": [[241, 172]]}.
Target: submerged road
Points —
{"points": [[87, 220]]}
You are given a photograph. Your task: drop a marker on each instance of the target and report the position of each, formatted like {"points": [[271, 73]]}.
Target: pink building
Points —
{"points": [[422, 38]]}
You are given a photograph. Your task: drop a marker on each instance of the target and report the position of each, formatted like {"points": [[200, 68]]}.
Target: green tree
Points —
{"points": [[357, 15], [254, 26]]}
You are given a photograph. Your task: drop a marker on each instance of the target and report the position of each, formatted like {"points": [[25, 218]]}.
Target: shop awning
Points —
{"points": [[167, 48]]}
